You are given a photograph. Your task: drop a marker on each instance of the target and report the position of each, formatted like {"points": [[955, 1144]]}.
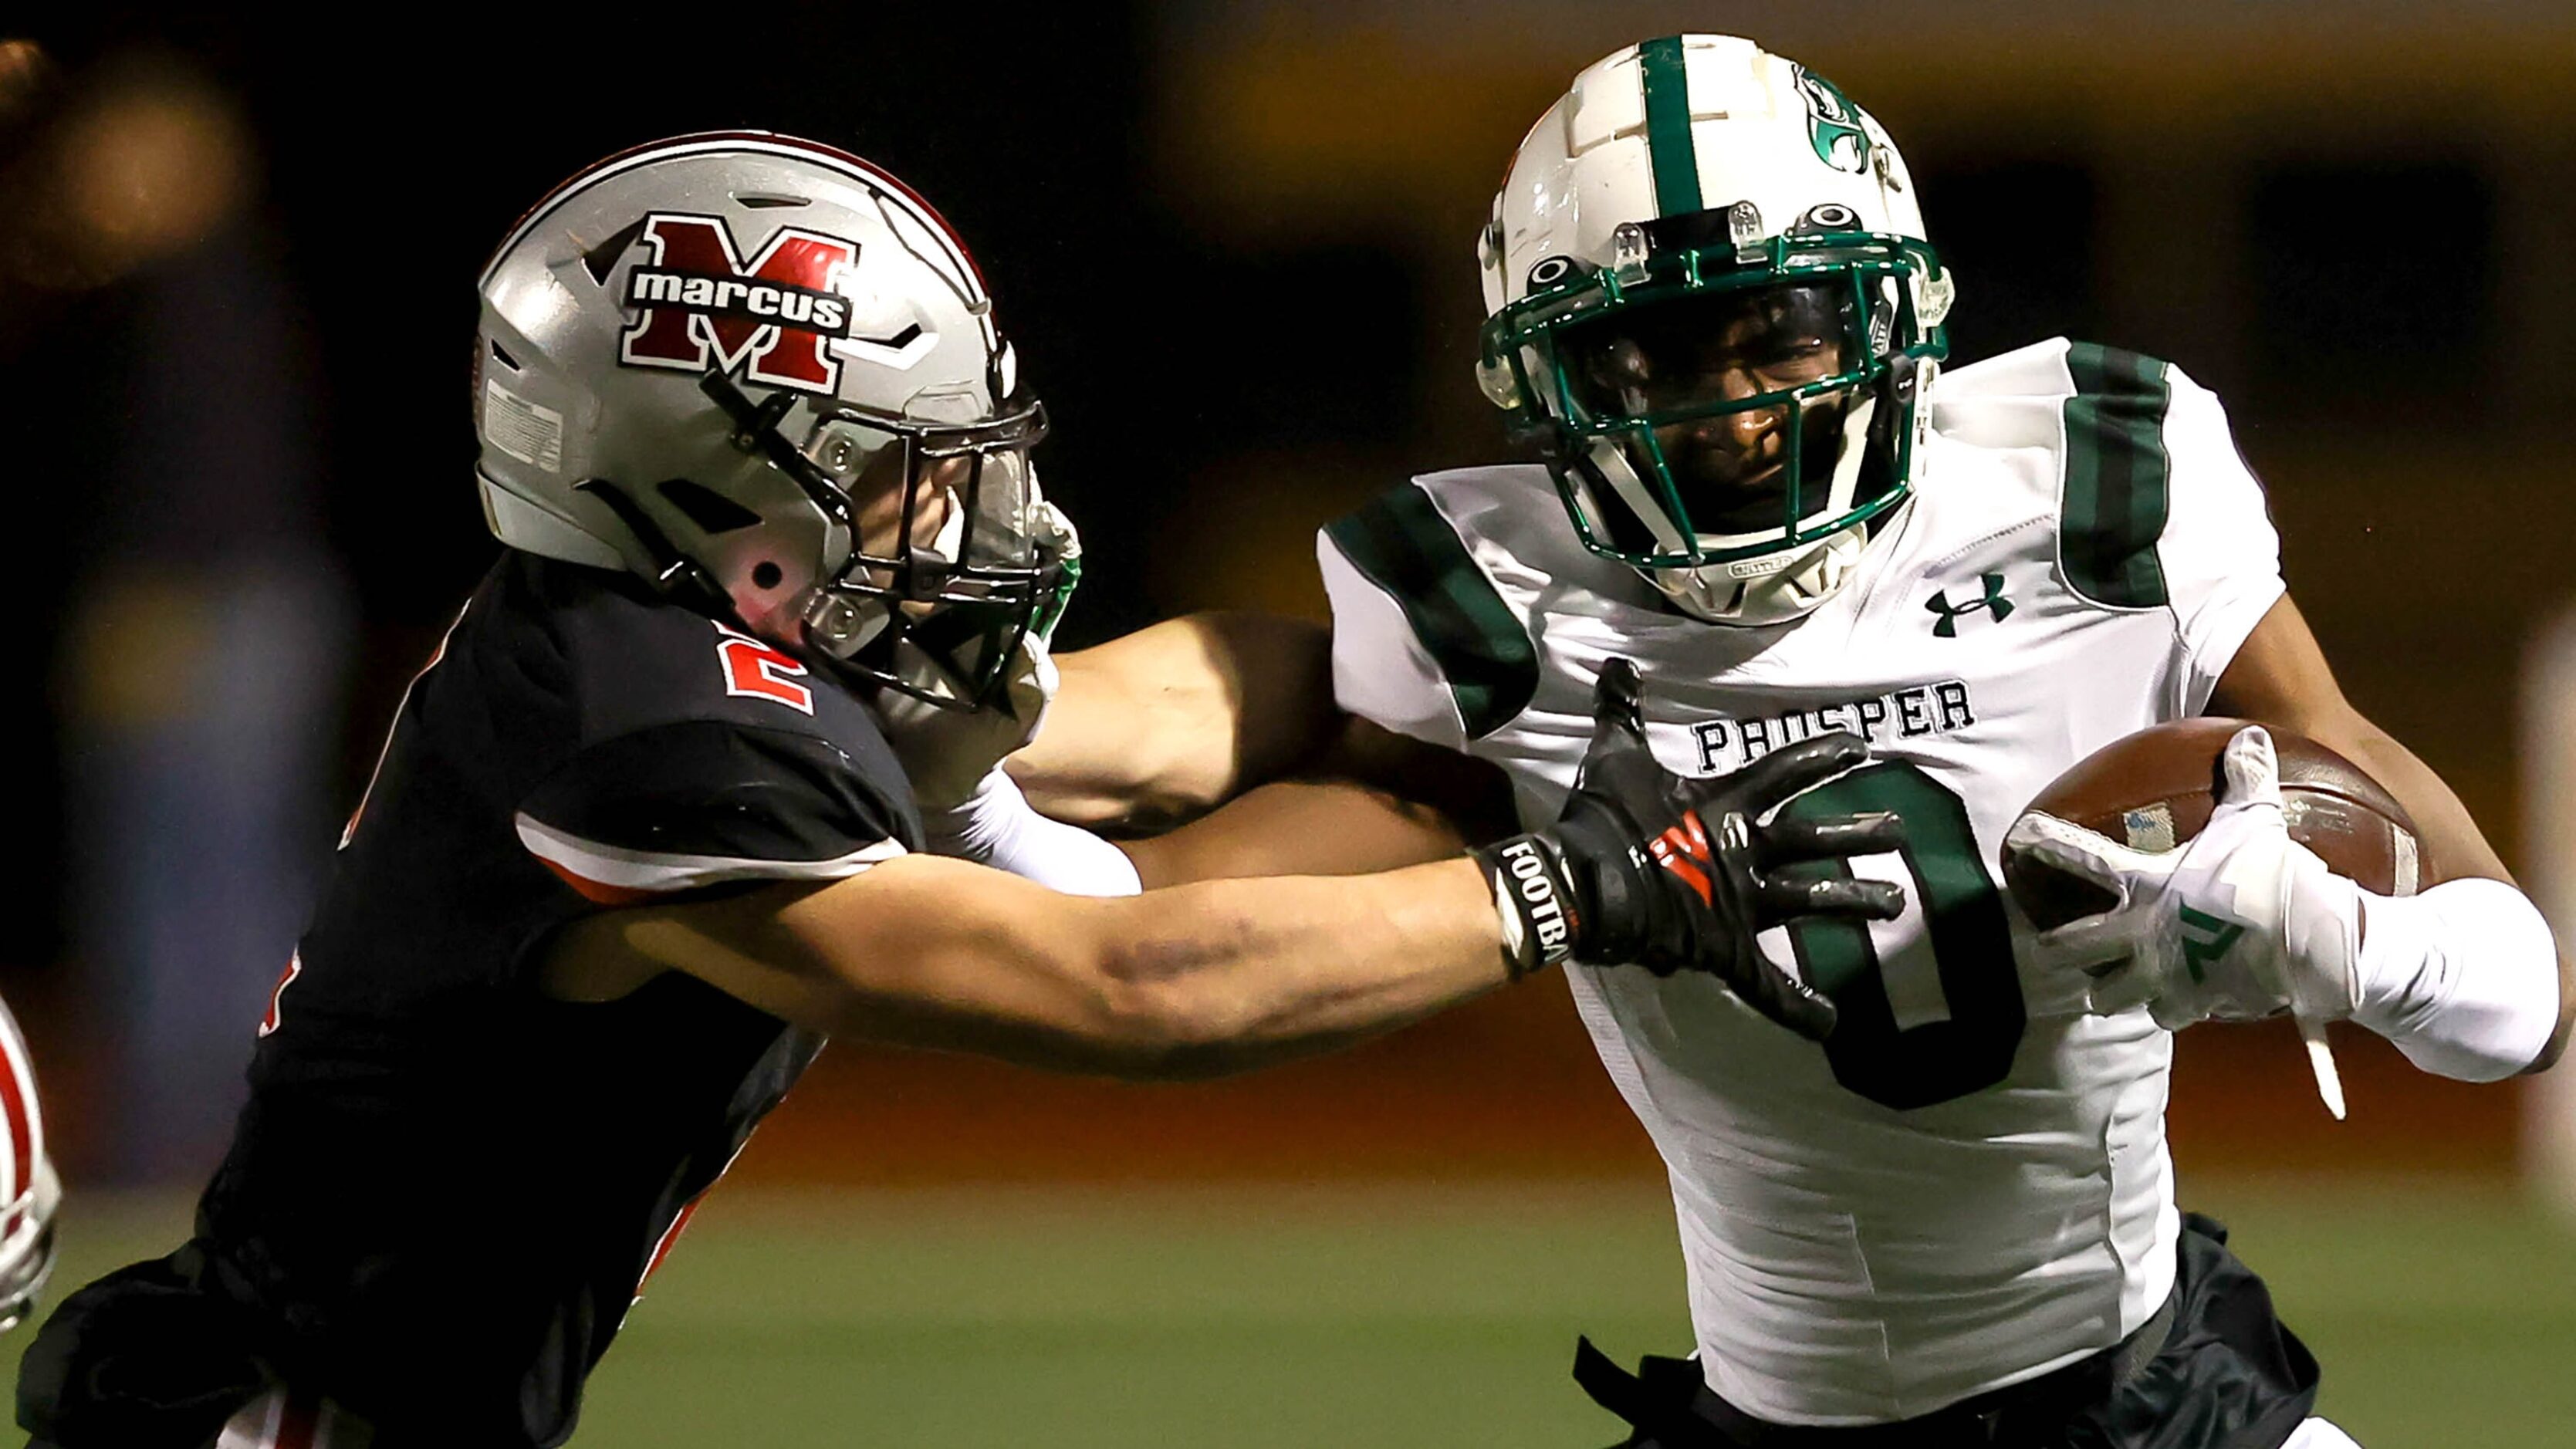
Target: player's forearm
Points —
{"points": [[2453, 845], [2456, 848], [1298, 827], [1225, 976], [1195, 981], [2470, 977], [2463, 978], [1173, 720]]}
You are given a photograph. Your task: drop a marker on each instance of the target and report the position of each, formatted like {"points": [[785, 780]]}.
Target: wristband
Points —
{"points": [[1535, 900]]}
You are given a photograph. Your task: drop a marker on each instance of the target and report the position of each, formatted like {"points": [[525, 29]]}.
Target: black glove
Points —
{"points": [[1633, 872]]}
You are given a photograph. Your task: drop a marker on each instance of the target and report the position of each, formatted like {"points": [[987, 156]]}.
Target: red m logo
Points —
{"points": [[700, 303]]}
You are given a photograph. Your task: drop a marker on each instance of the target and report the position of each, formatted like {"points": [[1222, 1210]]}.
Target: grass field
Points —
{"points": [[1402, 1316]]}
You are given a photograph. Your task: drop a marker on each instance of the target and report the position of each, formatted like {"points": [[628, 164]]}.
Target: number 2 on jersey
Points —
{"points": [[754, 670], [1944, 1018]]}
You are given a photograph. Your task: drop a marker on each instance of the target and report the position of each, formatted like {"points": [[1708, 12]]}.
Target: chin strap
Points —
{"points": [[1792, 589]]}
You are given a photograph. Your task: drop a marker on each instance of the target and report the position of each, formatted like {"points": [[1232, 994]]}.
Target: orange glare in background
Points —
{"points": [[151, 162], [25, 75], [141, 159]]}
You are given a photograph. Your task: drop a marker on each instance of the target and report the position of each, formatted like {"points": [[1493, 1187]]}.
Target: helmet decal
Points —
{"points": [[1666, 83], [1833, 124], [699, 302]]}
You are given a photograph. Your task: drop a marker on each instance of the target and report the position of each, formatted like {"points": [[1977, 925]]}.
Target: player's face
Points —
{"points": [[878, 497], [1683, 356]]}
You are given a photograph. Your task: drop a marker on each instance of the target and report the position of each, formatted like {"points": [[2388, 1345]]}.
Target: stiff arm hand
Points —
{"points": [[1646, 867]]}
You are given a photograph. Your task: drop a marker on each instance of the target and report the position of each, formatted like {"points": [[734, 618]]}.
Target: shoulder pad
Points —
{"points": [[1410, 550], [628, 661], [2118, 477]]}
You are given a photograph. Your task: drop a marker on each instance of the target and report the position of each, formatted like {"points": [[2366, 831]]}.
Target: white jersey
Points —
{"points": [[1969, 1186]]}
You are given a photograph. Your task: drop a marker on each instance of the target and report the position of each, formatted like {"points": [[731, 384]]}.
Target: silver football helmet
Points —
{"points": [[763, 375]]}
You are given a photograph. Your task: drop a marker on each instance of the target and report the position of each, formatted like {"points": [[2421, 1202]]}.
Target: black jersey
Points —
{"points": [[447, 1187]]}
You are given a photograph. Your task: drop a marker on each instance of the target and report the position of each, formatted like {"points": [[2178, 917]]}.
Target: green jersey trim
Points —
{"points": [[1668, 126], [1400, 542], [2118, 477]]}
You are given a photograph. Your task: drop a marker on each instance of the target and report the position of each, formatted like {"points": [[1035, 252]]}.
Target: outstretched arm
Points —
{"points": [[1190, 982], [1371, 800], [1169, 723], [1230, 974], [2280, 676], [1164, 724]]}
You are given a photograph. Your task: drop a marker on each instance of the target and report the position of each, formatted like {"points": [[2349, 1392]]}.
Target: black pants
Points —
{"points": [[2227, 1375]]}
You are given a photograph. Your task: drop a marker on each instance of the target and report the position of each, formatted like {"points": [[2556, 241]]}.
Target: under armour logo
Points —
{"points": [[1997, 607], [2199, 952]]}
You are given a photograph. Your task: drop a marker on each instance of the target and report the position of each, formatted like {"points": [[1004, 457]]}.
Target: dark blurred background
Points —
{"points": [[237, 255]]}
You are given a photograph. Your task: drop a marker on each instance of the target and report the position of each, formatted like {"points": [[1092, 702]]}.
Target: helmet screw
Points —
{"points": [[1628, 252], [1744, 229], [833, 621]]}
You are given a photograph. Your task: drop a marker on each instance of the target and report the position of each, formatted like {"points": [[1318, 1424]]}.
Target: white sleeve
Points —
{"points": [[1381, 671], [2463, 978], [2220, 553], [997, 826]]}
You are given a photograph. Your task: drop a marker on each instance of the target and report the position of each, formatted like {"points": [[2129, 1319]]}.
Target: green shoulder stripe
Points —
{"points": [[1400, 543], [2118, 477]]}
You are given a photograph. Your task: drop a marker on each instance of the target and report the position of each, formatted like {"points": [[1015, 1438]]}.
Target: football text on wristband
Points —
{"points": [[1535, 898]]}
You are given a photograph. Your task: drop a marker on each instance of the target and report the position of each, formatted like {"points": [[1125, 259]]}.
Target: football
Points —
{"points": [[2154, 789]]}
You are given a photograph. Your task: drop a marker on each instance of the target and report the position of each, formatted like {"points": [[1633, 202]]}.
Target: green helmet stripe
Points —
{"points": [[1668, 135], [2117, 477], [1400, 542]]}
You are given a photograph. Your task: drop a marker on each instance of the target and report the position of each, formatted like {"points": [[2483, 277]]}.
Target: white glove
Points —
{"points": [[947, 752], [2241, 923]]}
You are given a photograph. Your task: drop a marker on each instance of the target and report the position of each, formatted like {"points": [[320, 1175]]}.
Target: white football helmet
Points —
{"points": [[29, 1191], [764, 375], [1710, 303]]}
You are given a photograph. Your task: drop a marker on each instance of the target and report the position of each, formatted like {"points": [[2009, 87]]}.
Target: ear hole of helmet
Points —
{"points": [[1828, 216], [1555, 271]]}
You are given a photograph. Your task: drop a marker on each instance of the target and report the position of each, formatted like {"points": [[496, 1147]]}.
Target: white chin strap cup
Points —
{"points": [[1750, 593]]}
